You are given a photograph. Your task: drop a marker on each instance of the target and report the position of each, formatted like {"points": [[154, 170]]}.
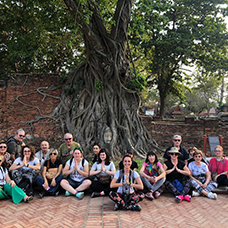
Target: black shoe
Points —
{"points": [[135, 208], [41, 195], [95, 194]]}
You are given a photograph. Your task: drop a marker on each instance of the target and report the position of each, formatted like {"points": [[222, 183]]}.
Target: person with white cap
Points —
{"points": [[177, 176]]}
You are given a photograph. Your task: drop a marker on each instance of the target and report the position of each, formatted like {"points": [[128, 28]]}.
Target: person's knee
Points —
{"points": [[64, 182]]}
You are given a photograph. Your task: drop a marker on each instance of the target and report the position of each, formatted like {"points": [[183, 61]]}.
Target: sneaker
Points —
{"points": [[157, 194], [212, 195], [95, 194], [67, 193], [195, 194], [41, 195], [149, 196], [135, 208], [179, 198], [80, 195], [187, 198]]}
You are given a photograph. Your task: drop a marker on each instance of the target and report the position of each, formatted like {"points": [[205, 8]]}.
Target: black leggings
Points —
{"points": [[222, 180], [99, 187]]}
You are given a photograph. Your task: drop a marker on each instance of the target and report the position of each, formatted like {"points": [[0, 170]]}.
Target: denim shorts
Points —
{"points": [[73, 183]]}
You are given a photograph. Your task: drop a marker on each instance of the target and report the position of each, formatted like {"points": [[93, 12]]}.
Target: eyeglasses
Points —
{"points": [[2, 146], [0, 160], [67, 139], [175, 154], [21, 136], [176, 140], [218, 151], [53, 154]]}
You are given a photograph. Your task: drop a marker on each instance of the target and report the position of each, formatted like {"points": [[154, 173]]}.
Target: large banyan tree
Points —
{"points": [[97, 104]]}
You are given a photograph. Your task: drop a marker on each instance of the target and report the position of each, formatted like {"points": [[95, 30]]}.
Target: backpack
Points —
{"points": [[121, 176], [83, 161]]}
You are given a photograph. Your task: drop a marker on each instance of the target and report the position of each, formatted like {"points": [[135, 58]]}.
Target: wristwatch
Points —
{"points": [[27, 165]]}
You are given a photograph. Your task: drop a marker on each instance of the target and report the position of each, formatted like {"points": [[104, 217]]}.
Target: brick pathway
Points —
{"points": [[98, 212]]}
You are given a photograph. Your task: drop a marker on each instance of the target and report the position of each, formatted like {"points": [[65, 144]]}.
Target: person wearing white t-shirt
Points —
{"points": [[27, 166], [77, 169], [103, 170], [126, 180], [8, 187]]}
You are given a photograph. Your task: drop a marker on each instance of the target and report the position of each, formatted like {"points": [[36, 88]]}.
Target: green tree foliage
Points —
{"points": [[172, 34], [37, 36], [205, 92]]}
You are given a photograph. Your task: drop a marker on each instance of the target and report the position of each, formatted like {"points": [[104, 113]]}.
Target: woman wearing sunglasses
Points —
{"points": [[3, 151], [8, 187], [200, 177], [177, 176], [25, 169], [51, 175]]}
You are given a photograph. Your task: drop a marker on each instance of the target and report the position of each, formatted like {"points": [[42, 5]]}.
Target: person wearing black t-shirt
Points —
{"points": [[51, 175], [96, 150]]}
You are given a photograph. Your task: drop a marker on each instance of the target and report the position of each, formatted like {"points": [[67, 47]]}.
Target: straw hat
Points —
{"points": [[173, 150]]}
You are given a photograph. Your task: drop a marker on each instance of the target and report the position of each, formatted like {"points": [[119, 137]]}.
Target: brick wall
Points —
{"points": [[25, 98], [192, 132], [21, 104]]}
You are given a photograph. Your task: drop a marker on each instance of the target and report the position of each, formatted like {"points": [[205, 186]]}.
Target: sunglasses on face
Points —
{"points": [[0, 160], [27, 151], [176, 140], [2, 146], [21, 136], [53, 154], [173, 154], [67, 139]]}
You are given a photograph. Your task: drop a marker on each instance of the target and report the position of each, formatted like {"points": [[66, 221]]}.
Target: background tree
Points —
{"points": [[38, 36], [173, 34], [98, 102]]}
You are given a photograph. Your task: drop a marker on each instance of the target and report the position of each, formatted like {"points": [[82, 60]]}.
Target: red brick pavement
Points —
{"points": [[98, 212]]}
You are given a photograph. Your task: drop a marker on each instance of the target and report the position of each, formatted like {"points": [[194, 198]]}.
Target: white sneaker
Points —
{"points": [[195, 193], [212, 195]]}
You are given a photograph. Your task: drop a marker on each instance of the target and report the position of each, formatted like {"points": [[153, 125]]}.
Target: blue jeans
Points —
{"points": [[154, 187], [53, 189]]}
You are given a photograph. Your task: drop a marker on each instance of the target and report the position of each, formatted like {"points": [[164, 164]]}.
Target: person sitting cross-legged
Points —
{"points": [[177, 176], [201, 176], [152, 175], [51, 175], [8, 187], [77, 169], [103, 169], [126, 180]]}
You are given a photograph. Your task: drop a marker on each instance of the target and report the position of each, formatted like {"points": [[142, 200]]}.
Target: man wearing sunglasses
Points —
{"points": [[177, 143], [15, 143], [66, 149]]}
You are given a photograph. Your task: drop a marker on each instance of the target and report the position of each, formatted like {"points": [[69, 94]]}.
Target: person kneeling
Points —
{"points": [[126, 180]]}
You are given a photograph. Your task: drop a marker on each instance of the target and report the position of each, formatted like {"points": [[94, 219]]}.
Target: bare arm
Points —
{"points": [[85, 171]]}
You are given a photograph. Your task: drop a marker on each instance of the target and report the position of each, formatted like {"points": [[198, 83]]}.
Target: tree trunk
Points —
{"points": [[96, 105]]}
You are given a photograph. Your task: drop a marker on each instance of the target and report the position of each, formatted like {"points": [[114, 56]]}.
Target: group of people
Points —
{"points": [[182, 172]]}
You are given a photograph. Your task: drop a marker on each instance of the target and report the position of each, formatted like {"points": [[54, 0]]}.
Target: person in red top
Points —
{"points": [[218, 167]]}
